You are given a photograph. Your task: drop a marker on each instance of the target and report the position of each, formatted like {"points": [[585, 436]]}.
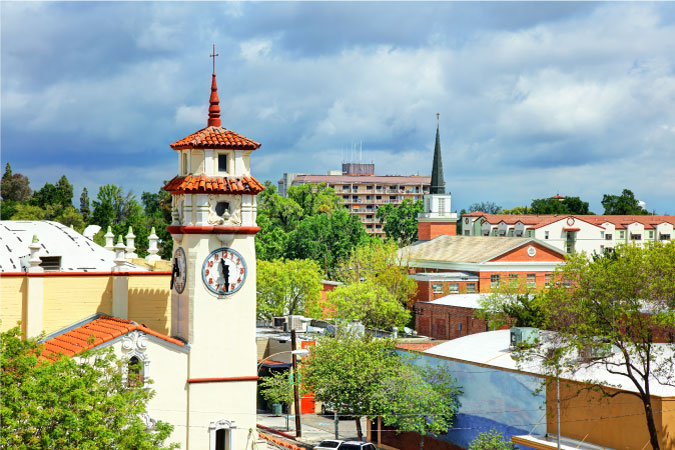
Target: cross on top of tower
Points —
{"points": [[214, 103], [213, 55]]}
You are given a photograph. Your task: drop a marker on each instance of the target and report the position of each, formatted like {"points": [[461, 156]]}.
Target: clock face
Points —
{"points": [[224, 271], [179, 272]]}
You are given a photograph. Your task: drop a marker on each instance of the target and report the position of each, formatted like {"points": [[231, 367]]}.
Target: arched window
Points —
{"points": [[135, 372]]}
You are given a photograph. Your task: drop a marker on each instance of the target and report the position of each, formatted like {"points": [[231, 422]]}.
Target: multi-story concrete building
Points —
{"points": [[362, 191], [572, 233]]}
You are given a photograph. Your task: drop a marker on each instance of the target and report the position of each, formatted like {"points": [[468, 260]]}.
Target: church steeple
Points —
{"points": [[437, 180]]}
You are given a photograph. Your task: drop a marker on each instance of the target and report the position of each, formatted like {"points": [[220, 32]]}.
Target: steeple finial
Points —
{"points": [[214, 107], [437, 180]]}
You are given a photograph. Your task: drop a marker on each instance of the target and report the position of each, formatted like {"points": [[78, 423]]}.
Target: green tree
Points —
{"points": [[624, 204], [491, 440], [370, 303], [28, 212], [517, 210], [486, 207], [567, 205], [14, 187], [60, 194], [362, 376], [513, 304], [85, 210], [278, 388], [624, 302], [270, 242], [419, 399], [315, 198], [287, 287], [346, 372], [326, 238], [400, 222], [71, 402], [378, 261], [281, 212]]}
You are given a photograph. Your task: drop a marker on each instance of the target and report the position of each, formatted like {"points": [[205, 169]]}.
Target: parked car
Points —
{"points": [[356, 445], [328, 444]]}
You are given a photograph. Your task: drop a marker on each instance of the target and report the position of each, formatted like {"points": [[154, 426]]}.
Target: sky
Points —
{"points": [[535, 99]]}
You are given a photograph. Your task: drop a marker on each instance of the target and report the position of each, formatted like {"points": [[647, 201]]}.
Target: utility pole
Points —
{"points": [[296, 390]]}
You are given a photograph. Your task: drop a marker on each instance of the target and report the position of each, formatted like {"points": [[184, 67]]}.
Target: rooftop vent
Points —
{"points": [[523, 335], [51, 263]]}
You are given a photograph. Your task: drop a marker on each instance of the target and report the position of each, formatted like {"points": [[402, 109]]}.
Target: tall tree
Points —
{"points": [[326, 238], [626, 203], [71, 402], [315, 198], [281, 212], [84, 204], [288, 287], [400, 222], [379, 262], [370, 303], [624, 302], [15, 187], [567, 205], [486, 207]]}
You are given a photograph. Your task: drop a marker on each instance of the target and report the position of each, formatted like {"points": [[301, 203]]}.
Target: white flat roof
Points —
{"points": [[463, 300], [491, 348], [78, 253]]}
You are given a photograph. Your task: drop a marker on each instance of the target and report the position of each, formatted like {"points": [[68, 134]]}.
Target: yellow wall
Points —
{"points": [[617, 422], [12, 301], [150, 301], [70, 299]]}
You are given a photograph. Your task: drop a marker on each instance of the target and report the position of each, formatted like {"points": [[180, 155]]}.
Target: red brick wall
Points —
{"points": [[520, 254], [485, 279], [429, 230], [425, 291], [443, 321]]}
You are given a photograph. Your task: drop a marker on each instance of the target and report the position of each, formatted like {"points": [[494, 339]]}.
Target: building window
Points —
{"points": [[454, 288], [664, 237], [622, 235], [545, 234], [185, 163], [437, 288], [513, 279], [548, 279], [530, 233], [221, 208], [494, 281], [467, 233], [370, 227], [651, 235], [531, 280], [635, 237], [134, 372], [369, 187], [441, 206], [369, 216], [222, 163], [608, 237], [470, 288], [602, 235]]}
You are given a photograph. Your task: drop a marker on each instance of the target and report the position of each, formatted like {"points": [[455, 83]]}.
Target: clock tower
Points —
{"points": [[213, 286]]}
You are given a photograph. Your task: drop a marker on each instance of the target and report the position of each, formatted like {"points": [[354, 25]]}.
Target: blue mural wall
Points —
{"points": [[492, 398]]}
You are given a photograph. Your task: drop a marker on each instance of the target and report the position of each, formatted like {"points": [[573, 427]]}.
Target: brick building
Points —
{"points": [[452, 271]]}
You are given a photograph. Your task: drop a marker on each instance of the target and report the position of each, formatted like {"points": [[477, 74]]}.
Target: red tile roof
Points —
{"points": [[215, 137], [214, 185], [363, 179], [598, 220], [94, 333]]}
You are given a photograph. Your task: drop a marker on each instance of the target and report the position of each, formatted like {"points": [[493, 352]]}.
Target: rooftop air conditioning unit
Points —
{"points": [[597, 349], [279, 322], [296, 323], [523, 335]]}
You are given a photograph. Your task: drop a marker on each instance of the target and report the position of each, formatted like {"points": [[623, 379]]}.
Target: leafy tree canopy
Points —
{"points": [[71, 402], [315, 198], [14, 186], [362, 376], [400, 222], [626, 203], [517, 210], [491, 440], [624, 302], [568, 205], [486, 207], [288, 287]]}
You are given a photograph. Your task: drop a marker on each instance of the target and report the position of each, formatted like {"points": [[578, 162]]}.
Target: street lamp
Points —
{"points": [[296, 393]]}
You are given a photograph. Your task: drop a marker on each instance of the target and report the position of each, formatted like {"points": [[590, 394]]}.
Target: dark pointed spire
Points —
{"points": [[437, 180], [214, 107]]}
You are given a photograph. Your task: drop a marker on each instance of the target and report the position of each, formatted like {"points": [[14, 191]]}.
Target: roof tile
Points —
{"points": [[214, 185], [101, 330], [215, 137]]}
